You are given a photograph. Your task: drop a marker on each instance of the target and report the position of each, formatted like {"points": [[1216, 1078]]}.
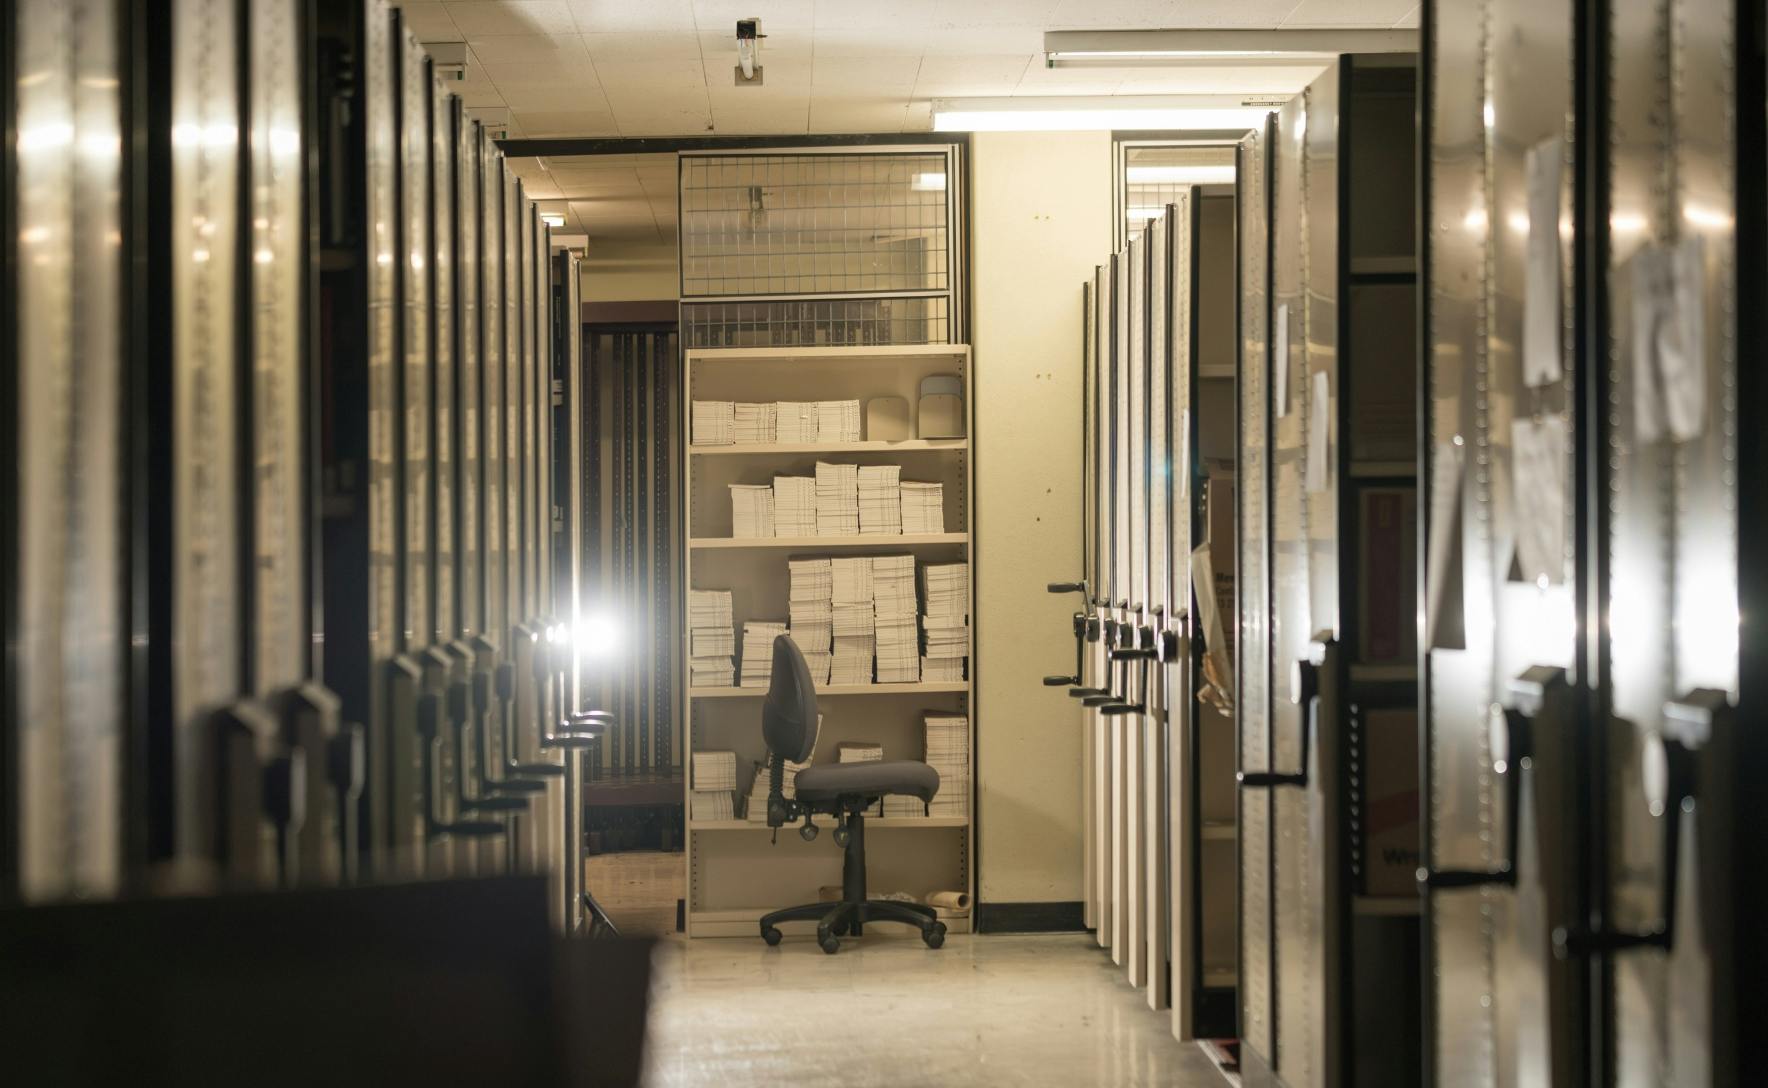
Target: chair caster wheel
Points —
{"points": [[828, 942], [841, 837], [770, 935], [934, 936], [808, 832], [841, 929]]}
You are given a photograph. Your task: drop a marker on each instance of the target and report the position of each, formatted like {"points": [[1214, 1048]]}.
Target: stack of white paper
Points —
{"points": [[837, 500], [850, 580], [859, 751], [851, 615], [715, 784], [945, 596], [795, 421], [880, 500], [811, 611], [756, 811], [794, 506], [752, 424], [713, 422], [711, 639], [715, 770], [893, 619], [948, 752], [752, 510], [757, 663], [923, 507], [713, 805], [837, 421]]}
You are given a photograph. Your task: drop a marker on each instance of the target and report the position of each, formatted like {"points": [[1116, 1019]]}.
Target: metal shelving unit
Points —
{"points": [[734, 878]]}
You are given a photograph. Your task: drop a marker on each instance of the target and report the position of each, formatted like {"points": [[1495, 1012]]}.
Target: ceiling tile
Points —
{"points": [[475, 93], [568, 122], [920, 117], [1364, 13], [1255, 80], [429, 21], [970, 76], [1410, 20], [857, 116], [898, 15], [777, 16], [615, 15], [529, 98], [634, 46], [742, 113], [546, 75], [1041, 80], [664, 83], [616, 181], [1145, 14], [662, 119], [538, 186], [840, 77], [995, 13], [487, 18], [530, 48], [957, 41], [868, 42]]}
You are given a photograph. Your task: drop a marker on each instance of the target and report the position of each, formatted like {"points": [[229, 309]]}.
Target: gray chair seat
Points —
{"points": [[827, 781]]}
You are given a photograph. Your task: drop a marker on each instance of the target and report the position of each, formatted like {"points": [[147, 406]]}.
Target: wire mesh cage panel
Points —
{"points": [[817, 323], [1155, 175], [814, 224]]}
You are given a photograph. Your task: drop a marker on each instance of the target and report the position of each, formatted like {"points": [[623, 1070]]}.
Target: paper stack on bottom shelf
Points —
{"points": [[711, 638], [810, 609], [752, 424], [794, 506], [859, 751], [923, 507], [948, 752], [714, 787], [752, 510], [893, 619], [837, 499], [795, 422], [880, 500], [755, 808], [850, 584], [757, 662], [945, 596], [714, 422]]}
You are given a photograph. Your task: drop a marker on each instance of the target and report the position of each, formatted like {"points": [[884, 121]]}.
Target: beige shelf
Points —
{"points": [[928, 688], [872, 823], [907, 445], [814, 543]]}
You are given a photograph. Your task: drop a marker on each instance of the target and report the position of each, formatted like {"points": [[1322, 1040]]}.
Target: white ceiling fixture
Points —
{"points": [[749, 35], [1215, 48], [1180, 175], [1192, 113]]}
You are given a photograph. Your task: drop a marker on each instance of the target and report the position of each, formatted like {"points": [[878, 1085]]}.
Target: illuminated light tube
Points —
{"points": [[1216, 48], [1180, 175], [1195, 113]]}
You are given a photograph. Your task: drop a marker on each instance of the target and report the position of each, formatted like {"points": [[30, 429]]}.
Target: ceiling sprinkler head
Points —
{"points": [[749, 35]]}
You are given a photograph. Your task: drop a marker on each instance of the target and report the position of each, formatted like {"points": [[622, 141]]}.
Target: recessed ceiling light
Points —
{"points": [[1220, 113]]}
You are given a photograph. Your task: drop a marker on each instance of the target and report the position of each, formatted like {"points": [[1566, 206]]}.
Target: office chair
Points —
{"points": [[841, 790]]}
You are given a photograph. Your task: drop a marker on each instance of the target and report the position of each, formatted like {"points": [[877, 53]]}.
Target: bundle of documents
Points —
{"points": [[852, 620], [752, 510], [713, 422], [902, 805], [893, 612], [811, 614], [711, 639], [859, 751], [880, 500], [837, 500], [713, 805], [850, 580], [948, 752], [852, 660], [756, 811], [752, 424], [945, 589], [837, 421], [757, 662], [923, 507], [795, 421], [714, 771], [945, 627], [794, 506]]}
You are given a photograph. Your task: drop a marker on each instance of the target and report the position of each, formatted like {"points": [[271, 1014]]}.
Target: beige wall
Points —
{"points": [[1040, 220], [630, 274]]}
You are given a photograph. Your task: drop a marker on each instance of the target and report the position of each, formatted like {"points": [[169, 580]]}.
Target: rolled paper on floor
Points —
{"points": [[949, 900]]}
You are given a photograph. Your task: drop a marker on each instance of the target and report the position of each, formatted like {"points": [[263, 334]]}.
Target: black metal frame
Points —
{"points": [[10, 712]]}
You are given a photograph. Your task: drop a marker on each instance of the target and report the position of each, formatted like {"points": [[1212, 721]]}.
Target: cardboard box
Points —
{"points": [[1390, 847]]}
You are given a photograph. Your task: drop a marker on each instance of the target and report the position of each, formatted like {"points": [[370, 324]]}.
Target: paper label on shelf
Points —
{"points": [[1280, 361], [1445, 613], [1538, 472], [1542, 306], [1669, 341], [1182, 462], [1319, 430]]}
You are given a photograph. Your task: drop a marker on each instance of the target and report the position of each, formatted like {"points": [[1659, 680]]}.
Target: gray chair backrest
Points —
{"points": [[788, 716]]}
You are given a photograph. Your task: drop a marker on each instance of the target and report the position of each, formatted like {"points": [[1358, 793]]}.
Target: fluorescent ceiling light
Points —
{"points": [[552, 219], [1180, 175], [1216, 48], [929, 183], [1200, 112]]}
